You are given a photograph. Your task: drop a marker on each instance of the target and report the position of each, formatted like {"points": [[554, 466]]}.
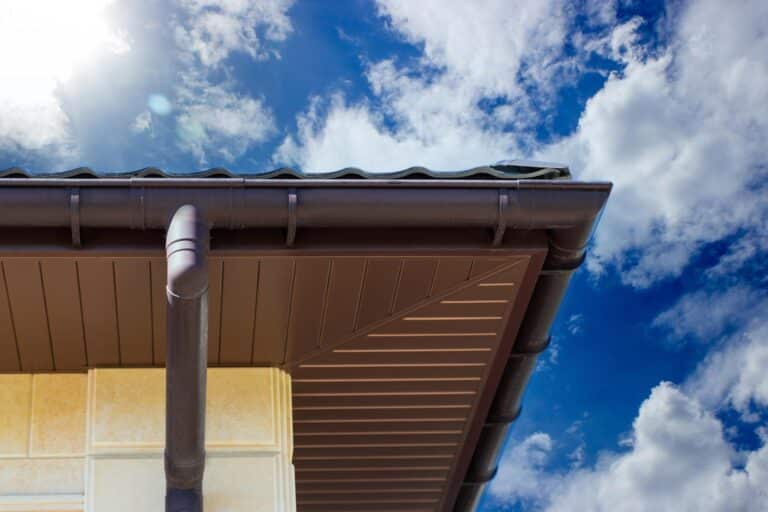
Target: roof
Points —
{"points": [[506, 170], [408, 309]]}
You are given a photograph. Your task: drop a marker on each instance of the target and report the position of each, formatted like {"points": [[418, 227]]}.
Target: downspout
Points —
{"points": [[186, 246]]}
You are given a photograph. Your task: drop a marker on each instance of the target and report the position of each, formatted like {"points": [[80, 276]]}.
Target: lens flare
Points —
{"points": [[159, 104]]}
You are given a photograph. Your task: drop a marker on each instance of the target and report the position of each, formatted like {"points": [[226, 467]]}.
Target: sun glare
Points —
{"points": [[42, 42]]}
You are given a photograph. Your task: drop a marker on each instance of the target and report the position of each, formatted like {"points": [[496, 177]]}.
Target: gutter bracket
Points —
{"points": [[74, 217], [501, 220], [293, 201]]}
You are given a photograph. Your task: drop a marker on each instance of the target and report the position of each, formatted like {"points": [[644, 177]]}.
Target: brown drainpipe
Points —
{"points": [[186, 247]]}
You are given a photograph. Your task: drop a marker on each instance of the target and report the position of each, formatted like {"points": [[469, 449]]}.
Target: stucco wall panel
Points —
{"points": [[126, 410], [58, 412], [247, 408], [42, 439], [15, 402], [41, 476], [94, 442]]}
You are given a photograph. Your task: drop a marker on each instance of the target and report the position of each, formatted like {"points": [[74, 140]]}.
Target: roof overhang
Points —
{"points": [[409, 309]]}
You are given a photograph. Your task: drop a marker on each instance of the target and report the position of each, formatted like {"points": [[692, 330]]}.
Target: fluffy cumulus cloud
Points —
{"points": [[681, 134], [679, 455], [213, 29], [216, 120], [356, 135], [679, 459], [522, 473], [483, 48], [734, 375], [432, 111], [42, 44]]}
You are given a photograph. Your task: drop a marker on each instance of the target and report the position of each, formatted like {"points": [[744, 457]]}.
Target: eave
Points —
{"points": [[310, 243]]}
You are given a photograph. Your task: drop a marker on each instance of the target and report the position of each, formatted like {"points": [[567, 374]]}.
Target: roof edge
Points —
{"points": [[505, 170]]}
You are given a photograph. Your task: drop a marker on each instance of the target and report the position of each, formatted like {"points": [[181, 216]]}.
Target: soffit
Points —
{"points": [[77, 312]]}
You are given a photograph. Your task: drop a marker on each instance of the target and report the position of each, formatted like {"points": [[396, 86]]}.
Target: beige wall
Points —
{"points": [[94, 442]]}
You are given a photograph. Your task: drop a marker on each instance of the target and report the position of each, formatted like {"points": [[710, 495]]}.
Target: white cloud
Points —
{"points": [[215, 28], [575, 324], [679, 459], [42, 44], [679, 455], [743, 253], [215, 120], [519, 478], [577, 456], [142, 122], [483, 45], [735, 374], [705, 315], [682, 136], [601, 11], [355, 135], [429, 112]]}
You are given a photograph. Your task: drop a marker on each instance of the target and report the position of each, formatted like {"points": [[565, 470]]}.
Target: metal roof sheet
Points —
{"points": [[506, 170]]}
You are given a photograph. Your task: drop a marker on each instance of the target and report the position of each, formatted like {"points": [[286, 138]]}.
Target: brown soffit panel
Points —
{"points": [[240, 278], [99, 309], [133, 295], [381, 417], [10, 357], [60, 283], [24, 286], [69, 313]]}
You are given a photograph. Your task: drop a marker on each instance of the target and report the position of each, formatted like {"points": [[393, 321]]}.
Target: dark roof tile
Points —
{"points": [[511, 170]]}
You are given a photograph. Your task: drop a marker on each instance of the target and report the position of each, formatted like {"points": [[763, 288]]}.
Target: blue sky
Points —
{"points": [[654, 393]]}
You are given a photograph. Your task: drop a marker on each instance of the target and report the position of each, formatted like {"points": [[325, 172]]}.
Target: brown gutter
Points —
{"points": [[519, 205]]}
